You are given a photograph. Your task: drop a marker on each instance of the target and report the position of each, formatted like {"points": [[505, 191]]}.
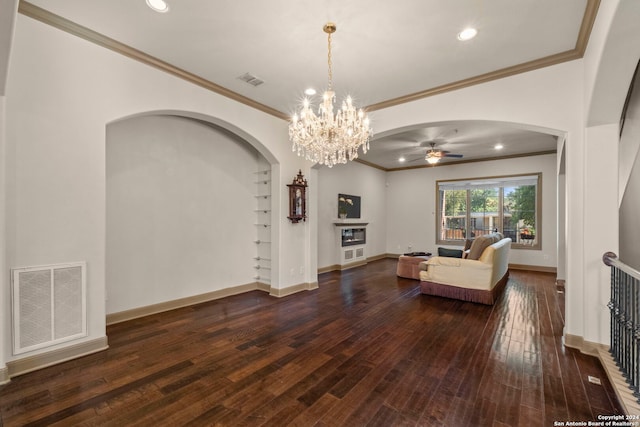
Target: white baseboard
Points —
{"points": [[42, 360], [625, 396], [148, 310], [586, 347], [4, 375], [290, 290], [539, 268]]}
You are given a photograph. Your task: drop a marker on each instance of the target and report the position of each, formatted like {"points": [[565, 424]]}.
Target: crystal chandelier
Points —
{"points": [[325, 138]]}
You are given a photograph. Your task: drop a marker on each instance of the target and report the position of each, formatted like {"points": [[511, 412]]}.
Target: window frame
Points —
{"points": [[468, 220]]}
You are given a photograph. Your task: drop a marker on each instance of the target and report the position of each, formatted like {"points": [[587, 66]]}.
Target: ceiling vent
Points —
{"points": [[251, 79]]}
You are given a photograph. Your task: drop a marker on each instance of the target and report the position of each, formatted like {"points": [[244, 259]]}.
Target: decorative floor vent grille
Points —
{"points": [[49, 305]]}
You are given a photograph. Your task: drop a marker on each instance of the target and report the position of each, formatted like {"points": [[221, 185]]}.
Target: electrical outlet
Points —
{"points": [[301, 269], [546, 257]]}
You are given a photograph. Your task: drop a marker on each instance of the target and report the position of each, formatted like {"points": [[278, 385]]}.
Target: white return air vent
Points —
{"points": [[49, 305]]}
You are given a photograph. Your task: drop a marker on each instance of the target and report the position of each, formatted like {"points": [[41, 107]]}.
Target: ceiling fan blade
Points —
{"points": [[457, 156], [415, 160]]}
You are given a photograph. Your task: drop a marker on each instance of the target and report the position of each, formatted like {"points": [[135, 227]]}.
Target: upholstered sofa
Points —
{"points": [[480, 277]]}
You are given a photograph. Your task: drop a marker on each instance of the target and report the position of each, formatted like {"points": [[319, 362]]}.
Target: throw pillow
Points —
{"points": [[451, 253], [479, 245]]}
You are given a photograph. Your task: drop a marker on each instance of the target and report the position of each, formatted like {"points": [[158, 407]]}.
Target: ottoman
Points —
{"points": [[409, 266]]}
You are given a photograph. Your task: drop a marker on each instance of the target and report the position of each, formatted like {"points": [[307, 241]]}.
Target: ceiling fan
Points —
{"points": [[434, 155]]}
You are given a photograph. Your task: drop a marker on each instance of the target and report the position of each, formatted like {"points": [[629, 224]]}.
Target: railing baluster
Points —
{"points": [[625, 326], [615, 337], [625, 320]]}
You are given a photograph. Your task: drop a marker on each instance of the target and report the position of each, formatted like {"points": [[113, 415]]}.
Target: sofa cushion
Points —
{"points": [[451, 253], [480, 244]]}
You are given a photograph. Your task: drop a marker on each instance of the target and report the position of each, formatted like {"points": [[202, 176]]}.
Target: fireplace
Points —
{"points": [[354, 236], [351, 241]]}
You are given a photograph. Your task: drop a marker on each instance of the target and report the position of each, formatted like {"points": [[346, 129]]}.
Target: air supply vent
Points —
{"points": [[251, 79], [49, 305]]}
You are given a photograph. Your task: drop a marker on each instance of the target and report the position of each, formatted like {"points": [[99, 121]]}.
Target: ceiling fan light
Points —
{"points": [[432, 160]]}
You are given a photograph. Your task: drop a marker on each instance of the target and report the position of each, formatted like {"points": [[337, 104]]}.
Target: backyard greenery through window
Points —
{"points": [[472, 207]]}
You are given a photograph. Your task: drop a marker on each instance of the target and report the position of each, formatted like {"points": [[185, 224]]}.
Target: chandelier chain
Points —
{"points": [[329, 63]]}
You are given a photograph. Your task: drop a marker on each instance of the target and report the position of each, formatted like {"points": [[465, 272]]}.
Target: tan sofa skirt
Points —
{"points": [[481, 296]]}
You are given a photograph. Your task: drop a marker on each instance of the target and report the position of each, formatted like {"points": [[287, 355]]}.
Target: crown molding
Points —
{"points": [[457, 162], [589, 17], [56, 21], [547, 61], [42, 15], [373, 165]]}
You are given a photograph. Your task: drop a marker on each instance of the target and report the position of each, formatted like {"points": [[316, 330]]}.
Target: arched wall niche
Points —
{"points": [[181, 207], [235, 130]]}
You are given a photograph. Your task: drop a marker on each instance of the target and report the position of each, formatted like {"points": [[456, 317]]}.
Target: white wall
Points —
{"points": [[5, 316], [180, 202], [609, 62], [358, 180], [400, 205], [630, 182], [629, 229], [62, 92], [411, 202]]}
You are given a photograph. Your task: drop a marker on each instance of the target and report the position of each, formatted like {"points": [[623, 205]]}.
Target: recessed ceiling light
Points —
{"points": [[401, 159], [467, 34], [498, 146], [310, 92], [158, 5]]}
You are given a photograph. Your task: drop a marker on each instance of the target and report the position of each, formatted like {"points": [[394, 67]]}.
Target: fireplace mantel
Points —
{"points": [[348, 222]]}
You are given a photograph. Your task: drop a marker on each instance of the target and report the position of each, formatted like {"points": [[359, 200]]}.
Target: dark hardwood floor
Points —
{"points": [[365, 349]]}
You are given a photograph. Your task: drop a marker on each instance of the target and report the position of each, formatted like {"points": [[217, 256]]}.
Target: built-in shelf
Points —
{"points": [[263, 183]]}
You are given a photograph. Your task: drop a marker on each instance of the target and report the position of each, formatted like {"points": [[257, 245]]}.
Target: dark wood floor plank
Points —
{"points": [[366, 348]]}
